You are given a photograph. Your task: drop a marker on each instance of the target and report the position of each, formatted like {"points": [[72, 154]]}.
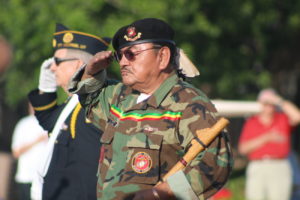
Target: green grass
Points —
{"points": [[236, 184]]}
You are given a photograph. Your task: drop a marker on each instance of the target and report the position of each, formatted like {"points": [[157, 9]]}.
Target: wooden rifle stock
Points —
{"points": [[206, 136]]}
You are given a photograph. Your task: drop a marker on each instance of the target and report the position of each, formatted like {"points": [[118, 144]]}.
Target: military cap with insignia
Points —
{"points": [[66, 38], [143, 31], [159, 32]]}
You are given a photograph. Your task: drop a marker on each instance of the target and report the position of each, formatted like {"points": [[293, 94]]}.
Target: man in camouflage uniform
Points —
{"points": [[149, 120]]}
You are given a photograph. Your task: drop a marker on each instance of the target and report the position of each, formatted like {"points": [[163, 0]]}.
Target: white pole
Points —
{"points": [[234, 108]]}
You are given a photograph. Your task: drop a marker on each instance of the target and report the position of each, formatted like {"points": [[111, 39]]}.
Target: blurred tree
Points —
{"points": [[239, 46]]}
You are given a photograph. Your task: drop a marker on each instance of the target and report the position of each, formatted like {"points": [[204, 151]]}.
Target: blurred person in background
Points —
{"points": [[266, 141], [28, 140], [5, 55], [69, 166], [293, 159]]}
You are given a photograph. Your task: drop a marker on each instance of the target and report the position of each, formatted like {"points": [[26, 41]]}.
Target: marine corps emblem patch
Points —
{"points": [[132, 35], [68, 37], [141, 162]]}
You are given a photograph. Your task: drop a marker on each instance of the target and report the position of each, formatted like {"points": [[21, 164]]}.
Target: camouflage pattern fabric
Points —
{"points": [[141, 142]]}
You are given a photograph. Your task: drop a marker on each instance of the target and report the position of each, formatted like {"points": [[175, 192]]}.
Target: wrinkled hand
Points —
{"points": [[99, 62], [271, 97], [47, 80], [275, 136], [162, 190], [145, 195]]}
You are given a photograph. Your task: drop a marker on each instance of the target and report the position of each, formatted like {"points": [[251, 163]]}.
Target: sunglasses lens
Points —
{"points": [[56, 61], [129, 55]]}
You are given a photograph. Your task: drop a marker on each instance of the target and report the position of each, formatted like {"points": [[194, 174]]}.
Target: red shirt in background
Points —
{"points": [[274, 150]]}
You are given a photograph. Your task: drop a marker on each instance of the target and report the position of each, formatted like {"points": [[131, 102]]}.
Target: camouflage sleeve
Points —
{"points": [[95, 95], [209, 171], [87, 86], [98, 103]]}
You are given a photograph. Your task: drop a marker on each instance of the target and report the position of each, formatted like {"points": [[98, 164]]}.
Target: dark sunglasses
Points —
{"points": [[58, 61], [129, 54]]}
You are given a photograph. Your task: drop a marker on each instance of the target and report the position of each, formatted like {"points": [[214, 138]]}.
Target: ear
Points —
{"points": [[164, 57]]}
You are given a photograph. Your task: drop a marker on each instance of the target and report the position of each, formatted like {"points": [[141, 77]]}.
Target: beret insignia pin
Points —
{"points": [[132, 35]]}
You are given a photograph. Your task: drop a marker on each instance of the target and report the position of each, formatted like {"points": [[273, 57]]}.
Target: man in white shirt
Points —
{"points": [[29, 140]]}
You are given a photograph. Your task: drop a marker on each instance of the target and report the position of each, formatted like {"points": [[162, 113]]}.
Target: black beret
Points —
{"points": [[142, 31], [65, 38]]}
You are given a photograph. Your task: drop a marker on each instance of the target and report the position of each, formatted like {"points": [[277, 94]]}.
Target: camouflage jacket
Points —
{"points": [[142, 141]]}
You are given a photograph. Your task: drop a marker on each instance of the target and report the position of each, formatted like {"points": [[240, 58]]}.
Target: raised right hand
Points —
{"points": [[100, 61], [47, 80], [275, 136]]}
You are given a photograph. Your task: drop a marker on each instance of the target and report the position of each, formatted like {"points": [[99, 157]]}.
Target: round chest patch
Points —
{"points": [[141, 162]]}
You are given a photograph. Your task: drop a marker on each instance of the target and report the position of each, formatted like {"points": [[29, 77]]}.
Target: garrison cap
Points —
{"points": [[65, 38], [143, 31]]}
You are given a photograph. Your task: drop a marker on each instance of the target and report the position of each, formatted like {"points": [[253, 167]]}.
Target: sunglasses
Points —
{"points": [[129, 54], [58, 61]]}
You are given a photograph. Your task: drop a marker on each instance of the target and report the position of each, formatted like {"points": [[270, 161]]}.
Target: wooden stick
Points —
{"points": [[206, 136]]}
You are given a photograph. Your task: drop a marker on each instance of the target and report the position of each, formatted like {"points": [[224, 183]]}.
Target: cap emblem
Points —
{"points": [[141, 162], [132, 35], [68, 37]]}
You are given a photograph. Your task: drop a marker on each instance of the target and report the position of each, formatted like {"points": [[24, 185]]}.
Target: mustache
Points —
{"points": [[126, 69]]}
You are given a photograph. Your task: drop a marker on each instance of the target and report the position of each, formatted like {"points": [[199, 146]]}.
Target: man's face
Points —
{"points": [[141, 70], [64, 68], [267, 108]]}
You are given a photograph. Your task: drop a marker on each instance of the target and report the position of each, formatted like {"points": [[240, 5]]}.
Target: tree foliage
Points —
{"points": [[238, 46]]}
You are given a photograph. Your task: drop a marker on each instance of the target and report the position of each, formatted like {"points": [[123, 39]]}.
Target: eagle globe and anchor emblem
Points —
{"points": [[141, 162]]}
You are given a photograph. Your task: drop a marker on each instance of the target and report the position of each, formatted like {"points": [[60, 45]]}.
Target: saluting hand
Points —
{"points": [[47, 79], [100, 61]]}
